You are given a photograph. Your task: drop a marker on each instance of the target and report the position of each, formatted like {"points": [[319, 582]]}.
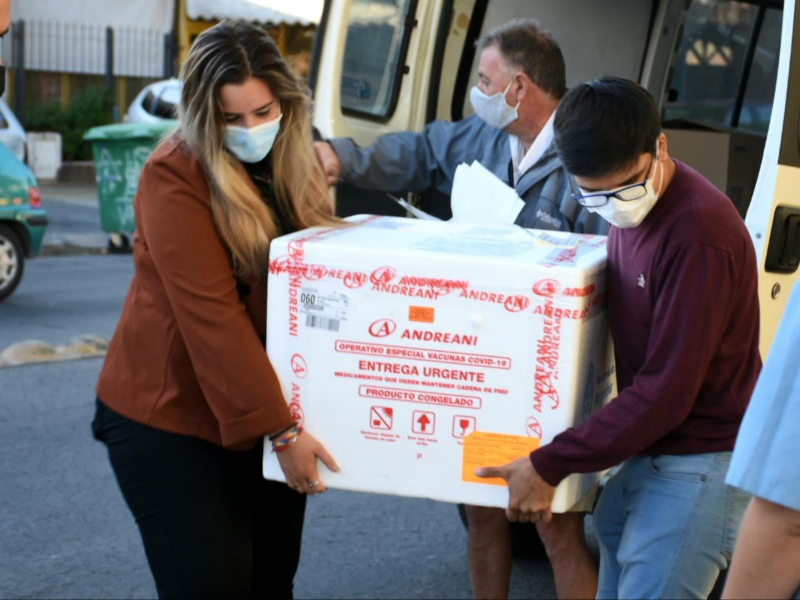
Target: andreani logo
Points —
{"points": [[517, 303], [355, 280], [382, 328], [546, 287], [383, 275]]}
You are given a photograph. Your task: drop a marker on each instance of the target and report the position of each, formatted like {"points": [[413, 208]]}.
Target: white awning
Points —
{"points": [[69, 36], [301, 12], [155, 15]]}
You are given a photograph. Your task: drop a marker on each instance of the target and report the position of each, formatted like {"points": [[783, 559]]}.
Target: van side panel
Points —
{"points": [[779, 177]]}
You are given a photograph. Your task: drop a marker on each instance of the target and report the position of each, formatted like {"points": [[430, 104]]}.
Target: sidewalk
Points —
{"points": [[72, 192], [74, 219]]}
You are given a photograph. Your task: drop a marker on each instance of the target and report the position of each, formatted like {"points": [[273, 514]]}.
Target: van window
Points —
{"points": [[148, 101], [713, 66], [374, 57], [165, 109], [167, 105], [760, 90]]}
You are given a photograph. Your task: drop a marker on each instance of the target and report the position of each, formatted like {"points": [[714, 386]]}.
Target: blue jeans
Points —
{"points": [[667, 526]]}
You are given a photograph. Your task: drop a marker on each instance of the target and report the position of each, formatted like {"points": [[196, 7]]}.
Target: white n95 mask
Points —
{"points": [[626, 214], [253, 144], [494, 109]]}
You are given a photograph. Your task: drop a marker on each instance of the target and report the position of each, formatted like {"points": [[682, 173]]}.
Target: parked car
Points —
{"points": [[12, 134], [22, 220], [155, 103]]}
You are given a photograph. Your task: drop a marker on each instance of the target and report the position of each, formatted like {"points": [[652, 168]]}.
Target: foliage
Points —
{"points": [[88, 108]]}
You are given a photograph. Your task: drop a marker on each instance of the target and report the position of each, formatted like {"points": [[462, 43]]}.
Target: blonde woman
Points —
{"points": [[187, 391]]}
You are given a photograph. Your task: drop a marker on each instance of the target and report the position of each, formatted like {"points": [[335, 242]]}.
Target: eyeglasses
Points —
{"points": [[626, 193]]}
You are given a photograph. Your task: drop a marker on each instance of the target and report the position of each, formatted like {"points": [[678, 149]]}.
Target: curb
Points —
{"points": [[37, 351], [77, 171], [71, 250], [72, 244]]}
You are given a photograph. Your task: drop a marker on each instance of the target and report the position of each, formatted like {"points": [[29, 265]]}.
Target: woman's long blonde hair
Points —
{"points": [[232, 52]]}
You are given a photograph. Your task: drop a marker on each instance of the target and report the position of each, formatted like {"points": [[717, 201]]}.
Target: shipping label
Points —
{"points": [[323, 310]]}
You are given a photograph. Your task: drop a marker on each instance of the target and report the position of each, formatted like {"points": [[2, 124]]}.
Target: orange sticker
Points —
{"points": [[420, 314], [484, 449]]}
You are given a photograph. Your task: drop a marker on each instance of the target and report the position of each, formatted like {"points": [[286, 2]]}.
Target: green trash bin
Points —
{"points": [[120, 152]]}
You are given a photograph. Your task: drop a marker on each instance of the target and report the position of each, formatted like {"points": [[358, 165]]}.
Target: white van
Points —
{"points": [[720, 70]]}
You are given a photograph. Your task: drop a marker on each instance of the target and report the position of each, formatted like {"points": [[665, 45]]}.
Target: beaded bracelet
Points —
{"points": [[290, 438]]}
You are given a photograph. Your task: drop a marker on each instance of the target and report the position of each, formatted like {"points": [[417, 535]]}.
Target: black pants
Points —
{"points": [[212, 526]]}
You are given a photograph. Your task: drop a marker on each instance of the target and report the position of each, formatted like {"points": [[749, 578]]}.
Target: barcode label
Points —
{"points": [[322, 323], [323, 309]]}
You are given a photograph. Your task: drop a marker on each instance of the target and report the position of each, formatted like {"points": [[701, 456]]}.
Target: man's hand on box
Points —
{"points": [[328, 160], [529, 496], [299, 464]]}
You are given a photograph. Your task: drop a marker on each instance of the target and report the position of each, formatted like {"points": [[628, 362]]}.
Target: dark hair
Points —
{"points": [[528, 46], [604, 126]]}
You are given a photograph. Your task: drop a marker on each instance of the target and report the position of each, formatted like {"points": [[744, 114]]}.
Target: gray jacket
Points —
{"points": [[415, 162]]}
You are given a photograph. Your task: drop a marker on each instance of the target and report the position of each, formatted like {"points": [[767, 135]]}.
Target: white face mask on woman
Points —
{"points": [[252, 145], [627, 206], [494, 109]]}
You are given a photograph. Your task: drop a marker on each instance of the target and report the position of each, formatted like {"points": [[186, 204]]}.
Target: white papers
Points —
{"points": [[480, 197], [417, 212]]}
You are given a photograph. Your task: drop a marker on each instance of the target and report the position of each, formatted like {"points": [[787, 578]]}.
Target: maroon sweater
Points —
{"points": [[683, 311]]}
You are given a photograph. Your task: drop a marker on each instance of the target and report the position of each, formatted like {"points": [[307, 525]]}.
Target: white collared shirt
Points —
{"points": [[540, 144]]}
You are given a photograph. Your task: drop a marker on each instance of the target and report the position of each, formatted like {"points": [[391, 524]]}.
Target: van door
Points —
{"points": [[369, 69], [728, 114], [773, 218], [721, 90]]}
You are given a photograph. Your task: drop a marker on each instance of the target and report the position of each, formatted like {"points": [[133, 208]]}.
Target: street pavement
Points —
{"points": [[65, 531], [62, 297], [90, 309], [74, 219]]}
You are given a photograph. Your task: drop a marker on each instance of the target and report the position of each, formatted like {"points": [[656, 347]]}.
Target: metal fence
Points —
{"points": [[81, 48], [86, 49]]}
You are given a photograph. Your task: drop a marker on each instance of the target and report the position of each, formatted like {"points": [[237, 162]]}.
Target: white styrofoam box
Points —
{"points": [[44, 154], [397, 341]]}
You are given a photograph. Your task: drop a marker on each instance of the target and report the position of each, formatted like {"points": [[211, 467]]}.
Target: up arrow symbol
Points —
{"points": [[424, 421]]}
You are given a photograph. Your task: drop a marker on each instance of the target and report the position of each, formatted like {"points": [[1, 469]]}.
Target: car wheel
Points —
{"points": [[12, 261], [119, 243]]}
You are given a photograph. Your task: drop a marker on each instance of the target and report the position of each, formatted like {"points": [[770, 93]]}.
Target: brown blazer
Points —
{"points": [[186, 356]]}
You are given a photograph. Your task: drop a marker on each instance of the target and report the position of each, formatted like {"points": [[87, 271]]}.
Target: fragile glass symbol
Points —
{"points": [[463, 426]]}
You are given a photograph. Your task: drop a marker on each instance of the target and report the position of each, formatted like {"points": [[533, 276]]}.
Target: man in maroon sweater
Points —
{"points": [[683, 312]]}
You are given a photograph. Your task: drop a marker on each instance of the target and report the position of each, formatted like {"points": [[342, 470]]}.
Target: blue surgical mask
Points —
{"points": [[494, 109], [253, 144]]}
